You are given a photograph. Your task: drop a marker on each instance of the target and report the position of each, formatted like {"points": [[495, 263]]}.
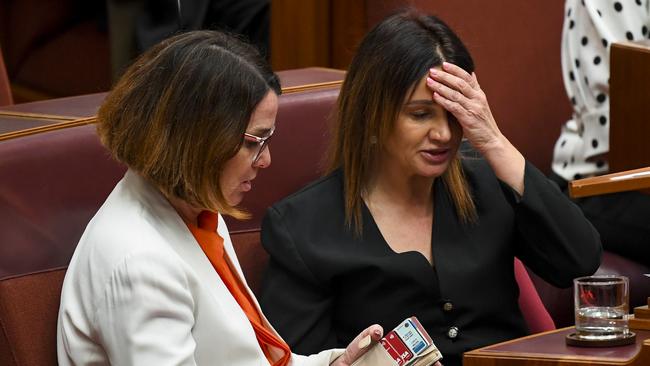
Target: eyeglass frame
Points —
{"points": [[261, 141]]}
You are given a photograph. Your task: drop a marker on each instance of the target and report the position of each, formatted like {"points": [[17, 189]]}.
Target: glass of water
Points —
{"points": [[601, 307]]}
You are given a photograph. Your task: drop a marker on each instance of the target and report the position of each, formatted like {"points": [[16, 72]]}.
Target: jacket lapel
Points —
{"points": [[167, 222]]}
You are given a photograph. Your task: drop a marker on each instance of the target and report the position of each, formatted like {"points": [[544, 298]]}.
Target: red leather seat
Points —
{"points": [[52, 185], [29, 305], [537, 317]]}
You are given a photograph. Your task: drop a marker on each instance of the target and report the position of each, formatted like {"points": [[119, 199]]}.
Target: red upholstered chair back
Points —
{"points": [[54, 182], [5, 89], [29, 305], [52, 185], [531, 305], [297, 151]]}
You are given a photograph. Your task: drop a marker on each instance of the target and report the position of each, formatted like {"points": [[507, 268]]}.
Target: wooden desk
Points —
{"points": [[629, 180], [549, 349]]}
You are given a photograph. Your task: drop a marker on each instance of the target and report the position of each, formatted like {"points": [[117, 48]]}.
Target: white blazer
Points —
{"points": [[140, 291]]}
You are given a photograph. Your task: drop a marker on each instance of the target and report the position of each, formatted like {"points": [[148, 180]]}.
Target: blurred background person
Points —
{"points": [[136, 25], [590, 27]]}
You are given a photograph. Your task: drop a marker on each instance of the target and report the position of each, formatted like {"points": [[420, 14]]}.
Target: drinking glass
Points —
{"points": [[601, 307]]}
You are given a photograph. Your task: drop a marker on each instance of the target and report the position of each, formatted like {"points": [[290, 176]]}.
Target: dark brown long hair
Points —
{"points": [[180, 111], [390, 60]]}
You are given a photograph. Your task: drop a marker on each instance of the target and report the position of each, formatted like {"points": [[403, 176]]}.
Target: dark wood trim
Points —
{"points": [[41, 129], [37, 115], [629, 180]]}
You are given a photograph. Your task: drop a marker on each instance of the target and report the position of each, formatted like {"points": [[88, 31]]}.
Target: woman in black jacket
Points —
{"points": [[406, 225]]}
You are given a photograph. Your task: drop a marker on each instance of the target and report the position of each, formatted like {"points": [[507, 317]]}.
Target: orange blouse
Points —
{"points": [[212, 245]]}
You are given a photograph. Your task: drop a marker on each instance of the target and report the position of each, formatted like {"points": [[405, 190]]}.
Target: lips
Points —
{"points": [[435, 156]]}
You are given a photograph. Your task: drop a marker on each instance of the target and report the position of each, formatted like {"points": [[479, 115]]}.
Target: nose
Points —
{"points": [[265, 159], [440, 130]]}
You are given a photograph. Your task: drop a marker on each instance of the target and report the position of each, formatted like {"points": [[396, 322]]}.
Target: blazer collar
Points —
{"points": [[168, 222]]}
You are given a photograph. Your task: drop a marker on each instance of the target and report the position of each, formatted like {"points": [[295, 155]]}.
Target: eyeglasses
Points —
{"points": [[262, 142]]}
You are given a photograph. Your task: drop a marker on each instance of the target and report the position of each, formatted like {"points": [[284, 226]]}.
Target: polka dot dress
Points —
{"points": [[590, 27]]}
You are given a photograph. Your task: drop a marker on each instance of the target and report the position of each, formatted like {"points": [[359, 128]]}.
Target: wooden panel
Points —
{"points": [[349, 25], [300, 33], [316, 33], [629, 106]]}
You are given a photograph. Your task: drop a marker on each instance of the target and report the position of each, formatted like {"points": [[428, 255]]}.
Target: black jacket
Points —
{"points": [[323, 286]]}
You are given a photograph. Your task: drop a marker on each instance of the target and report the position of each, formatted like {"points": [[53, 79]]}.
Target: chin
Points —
{"points": [[234, 199], [233, 204], [433, 173]]}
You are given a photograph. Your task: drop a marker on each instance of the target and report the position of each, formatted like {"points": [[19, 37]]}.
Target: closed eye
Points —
{"points": [[421, 115]]}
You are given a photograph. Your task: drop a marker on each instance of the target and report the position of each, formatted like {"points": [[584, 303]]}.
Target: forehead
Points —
{"points": [[421, 90], [263, 117], [419, 94]]}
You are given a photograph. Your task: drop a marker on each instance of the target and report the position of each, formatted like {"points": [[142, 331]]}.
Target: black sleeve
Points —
{"points": [[290, 291], [554, 238]]}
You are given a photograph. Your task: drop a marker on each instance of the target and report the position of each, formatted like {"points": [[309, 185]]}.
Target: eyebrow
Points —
{"points": [[425, 102]]}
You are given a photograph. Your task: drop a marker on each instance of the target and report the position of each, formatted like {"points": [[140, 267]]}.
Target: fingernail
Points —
{"points": [[433, 71], [446, 65], [377, 332], [430, 81], [364, 342]]}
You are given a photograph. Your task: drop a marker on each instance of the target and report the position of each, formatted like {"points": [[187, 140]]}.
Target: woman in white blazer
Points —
{"points": [[148, 284]]}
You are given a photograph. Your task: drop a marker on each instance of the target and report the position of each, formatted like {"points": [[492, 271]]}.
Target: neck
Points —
{"points": [[187, 212], [390, 186]]}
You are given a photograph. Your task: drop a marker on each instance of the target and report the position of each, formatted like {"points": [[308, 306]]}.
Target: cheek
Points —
{"points": [[234, 169]]}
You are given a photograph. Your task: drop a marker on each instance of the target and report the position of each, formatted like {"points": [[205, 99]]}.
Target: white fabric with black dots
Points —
{"points": [[590, 27]]}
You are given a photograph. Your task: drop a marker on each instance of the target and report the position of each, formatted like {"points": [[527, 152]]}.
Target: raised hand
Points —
{"points": [[460, 94]]}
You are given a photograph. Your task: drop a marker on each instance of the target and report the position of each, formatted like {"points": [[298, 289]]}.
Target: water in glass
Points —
{"points": [[601, 322]]}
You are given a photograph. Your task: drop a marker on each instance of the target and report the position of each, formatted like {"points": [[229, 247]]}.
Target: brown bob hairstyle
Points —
{"points": [[391, 59], [180, 111]]}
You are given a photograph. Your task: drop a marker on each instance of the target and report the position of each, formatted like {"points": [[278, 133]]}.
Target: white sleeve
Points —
{"points": [[323, 358], [146, 315]]}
